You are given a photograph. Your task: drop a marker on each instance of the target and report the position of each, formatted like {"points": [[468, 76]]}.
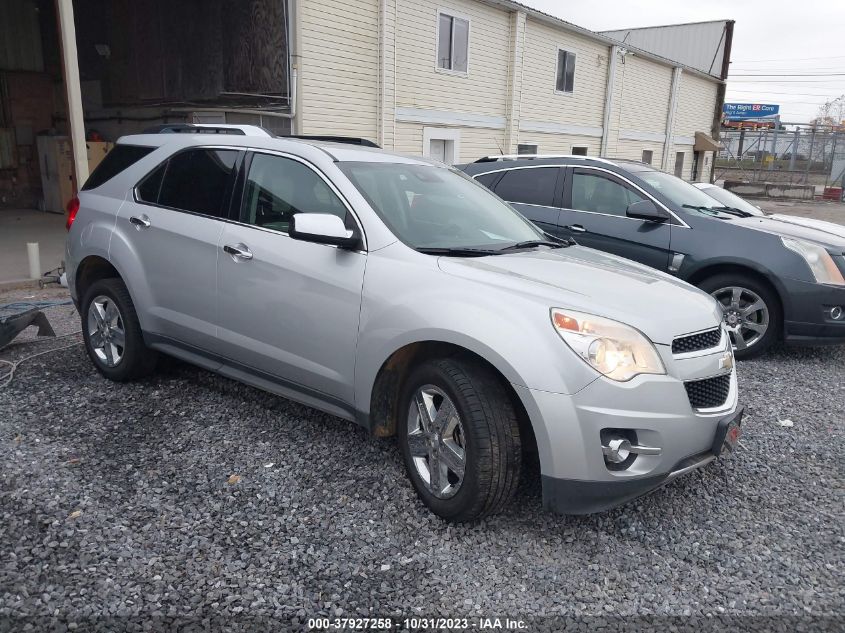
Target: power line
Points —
{"points": [[788, 59], [790, 94], [788, 75], [785, 81]]}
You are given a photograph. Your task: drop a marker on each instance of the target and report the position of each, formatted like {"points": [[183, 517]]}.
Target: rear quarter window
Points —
{"points": [[117, 160]]}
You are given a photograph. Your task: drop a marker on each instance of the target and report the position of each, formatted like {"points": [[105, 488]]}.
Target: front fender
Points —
{"points": [[407, 303]]}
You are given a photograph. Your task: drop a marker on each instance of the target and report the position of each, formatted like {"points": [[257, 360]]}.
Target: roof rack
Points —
{"points": [[502, 157], [350, 140], [208, 128]]}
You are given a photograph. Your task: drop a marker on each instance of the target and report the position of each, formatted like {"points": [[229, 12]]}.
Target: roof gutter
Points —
{"points": [[510, 5]]}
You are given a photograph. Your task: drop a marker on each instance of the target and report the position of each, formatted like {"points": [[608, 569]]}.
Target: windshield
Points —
{"points": [[732, 200], [678, 191], [430, 207]]}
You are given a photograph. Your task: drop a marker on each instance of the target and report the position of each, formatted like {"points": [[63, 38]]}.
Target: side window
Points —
{"points": [[150, 186], [199, 181], [278, 187], [488, 180], [529, 186], [599, 194], [118, 159]]}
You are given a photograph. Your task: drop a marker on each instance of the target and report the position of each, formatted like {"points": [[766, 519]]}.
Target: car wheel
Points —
{"points": [[751, 312], [459, 437], [112, 333]]}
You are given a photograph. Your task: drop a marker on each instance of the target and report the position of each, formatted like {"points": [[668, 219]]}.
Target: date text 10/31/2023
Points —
{"points": [[416, 624]]}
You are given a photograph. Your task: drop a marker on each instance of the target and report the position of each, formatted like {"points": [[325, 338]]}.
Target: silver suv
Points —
{"points": [[397, 293]]}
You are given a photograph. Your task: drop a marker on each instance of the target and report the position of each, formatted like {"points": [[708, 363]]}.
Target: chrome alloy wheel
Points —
{"points": [[436, 441], [105, 331], [746, 315]]}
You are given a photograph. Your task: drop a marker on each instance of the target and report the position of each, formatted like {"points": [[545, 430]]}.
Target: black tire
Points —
{"points": [[769, 297], [137, 359], [491, 441]]}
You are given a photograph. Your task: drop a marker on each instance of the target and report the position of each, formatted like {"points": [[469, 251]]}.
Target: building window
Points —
{"points": [[527, 148], [453, 43], [679, 164], [579, 150], [648, 155], [565, 71]]}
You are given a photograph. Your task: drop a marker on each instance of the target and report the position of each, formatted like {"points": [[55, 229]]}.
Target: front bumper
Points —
{"points": [[654, 410], [807, 313], [572, 496]]}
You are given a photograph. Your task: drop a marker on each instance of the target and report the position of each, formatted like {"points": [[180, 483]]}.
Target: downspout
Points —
{"points": [[670, 118], [382, 75], [608, 98]]}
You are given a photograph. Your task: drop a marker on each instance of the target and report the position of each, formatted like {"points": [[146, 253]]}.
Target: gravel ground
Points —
{"points": [[190, 495]]}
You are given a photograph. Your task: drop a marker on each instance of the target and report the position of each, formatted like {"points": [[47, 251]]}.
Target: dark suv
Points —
{"points": [[774, 280]]}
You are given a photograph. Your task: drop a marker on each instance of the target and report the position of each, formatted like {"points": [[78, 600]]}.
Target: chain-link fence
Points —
{"points": [[793, 154]]}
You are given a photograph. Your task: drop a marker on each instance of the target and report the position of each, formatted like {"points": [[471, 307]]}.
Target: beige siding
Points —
{"points": [[696, 104], [540, 102], [645, 88], [633, 150], [474, 142], [419, 84], [560, 143], [339, 68]]}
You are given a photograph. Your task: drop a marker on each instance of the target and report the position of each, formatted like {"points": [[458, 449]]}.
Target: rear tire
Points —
{"points": [[739, 295], [478, 434], [112, 332]]}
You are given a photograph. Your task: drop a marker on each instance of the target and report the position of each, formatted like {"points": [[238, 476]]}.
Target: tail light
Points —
{"points": [[72, 210]]}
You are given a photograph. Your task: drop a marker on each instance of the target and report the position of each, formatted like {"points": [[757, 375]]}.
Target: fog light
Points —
{"points": [[836, 313], [617, 451]]}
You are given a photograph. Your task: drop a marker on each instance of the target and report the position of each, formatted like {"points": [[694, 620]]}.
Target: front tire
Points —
{"points": [[112, 332], [751, 312], [459, 437]]}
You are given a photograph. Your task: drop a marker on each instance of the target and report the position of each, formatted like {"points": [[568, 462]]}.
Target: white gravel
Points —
{"points": [[190, 495]]}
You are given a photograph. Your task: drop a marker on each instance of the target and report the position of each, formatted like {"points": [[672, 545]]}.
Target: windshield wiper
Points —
{"points": [[457, 251], [734, 211], [697, 207], [533, 243]]}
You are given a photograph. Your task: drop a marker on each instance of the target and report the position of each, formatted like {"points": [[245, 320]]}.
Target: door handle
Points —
{"points": [[577, 228], [239, 252], [142, 222]]}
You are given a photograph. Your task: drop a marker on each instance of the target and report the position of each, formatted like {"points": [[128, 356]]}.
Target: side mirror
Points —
{"points": [[645, 210], [322, 228]]}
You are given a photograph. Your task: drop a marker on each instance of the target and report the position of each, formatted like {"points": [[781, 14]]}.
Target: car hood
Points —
{"points": [[590, 281], [825, 233], [830, 228]]}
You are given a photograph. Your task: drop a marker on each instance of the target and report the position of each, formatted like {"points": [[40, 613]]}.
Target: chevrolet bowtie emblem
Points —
{"points": [[727, 361]]}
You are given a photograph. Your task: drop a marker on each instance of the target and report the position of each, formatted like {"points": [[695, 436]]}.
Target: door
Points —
{"points": [[594, 213], [170, 230], [288, 309], [533, 191]]}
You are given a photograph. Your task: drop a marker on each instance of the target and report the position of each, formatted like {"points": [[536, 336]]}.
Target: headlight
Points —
{"points": [[821, 264], [614, 349]]}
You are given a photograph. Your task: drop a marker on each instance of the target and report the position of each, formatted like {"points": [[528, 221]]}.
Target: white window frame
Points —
{"points": [[451, 14], [442, 134], [584, 147], [536, 146], [557, 70], [651, 162]]}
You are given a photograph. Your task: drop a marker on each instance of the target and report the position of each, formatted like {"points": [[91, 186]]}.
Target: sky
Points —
{"points": [[777, 36]]}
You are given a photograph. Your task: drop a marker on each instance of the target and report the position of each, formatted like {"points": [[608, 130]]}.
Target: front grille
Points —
{"points": [[696, 342], [708, 393]]}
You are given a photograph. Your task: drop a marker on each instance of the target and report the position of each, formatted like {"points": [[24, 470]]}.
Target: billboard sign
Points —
{"points": [[749, 110]]}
